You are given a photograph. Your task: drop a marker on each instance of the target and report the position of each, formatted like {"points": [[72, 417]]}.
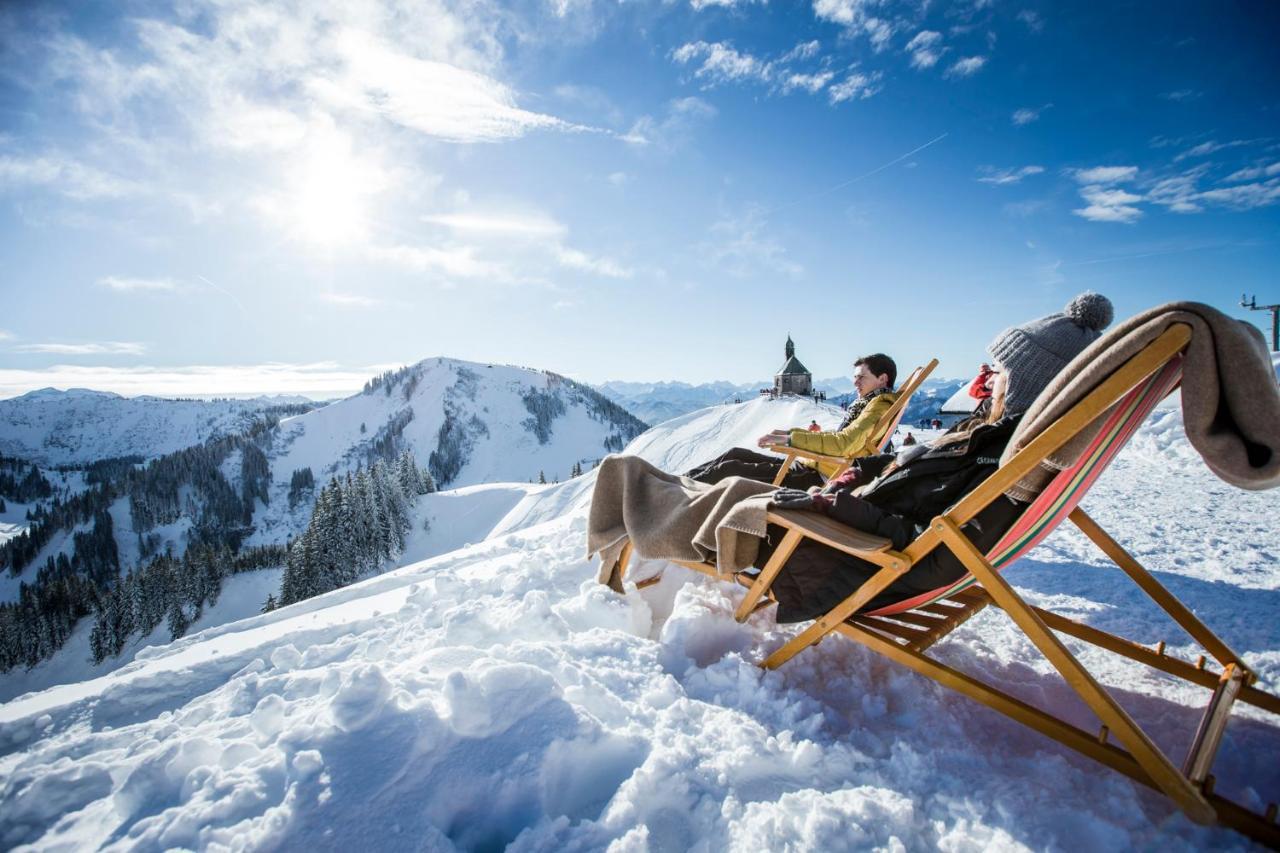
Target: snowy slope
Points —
{"points": [[482, 407], [77, 427], [495, 696]]}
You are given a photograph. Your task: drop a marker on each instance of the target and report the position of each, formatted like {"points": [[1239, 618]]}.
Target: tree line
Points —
{"points": [[358, 522]]}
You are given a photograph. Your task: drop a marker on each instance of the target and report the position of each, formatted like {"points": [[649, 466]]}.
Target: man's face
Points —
{"points": [[866, 382]]}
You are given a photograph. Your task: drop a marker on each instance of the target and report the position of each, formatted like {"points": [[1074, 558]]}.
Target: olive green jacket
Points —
{"points": [[851, 442]]}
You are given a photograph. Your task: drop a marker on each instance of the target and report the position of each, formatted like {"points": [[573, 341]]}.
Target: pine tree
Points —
{"points": [[270, 604], [542, 478], [178, 622]]}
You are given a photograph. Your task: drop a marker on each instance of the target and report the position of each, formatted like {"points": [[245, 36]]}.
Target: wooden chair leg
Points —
{"points": [[1156, 590], [770, 571], [1163, 773], [842, 611]]}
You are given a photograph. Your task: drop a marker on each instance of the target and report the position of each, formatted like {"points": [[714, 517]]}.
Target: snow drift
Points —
{"points": [[494, 696]]}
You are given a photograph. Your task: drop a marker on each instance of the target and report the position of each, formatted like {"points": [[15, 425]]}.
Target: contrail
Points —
{"points": [[863, 176], [224, 292]]}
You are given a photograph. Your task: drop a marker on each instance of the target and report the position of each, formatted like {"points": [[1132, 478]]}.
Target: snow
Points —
{"points": [[493, 695], [335, 439], [77, 427]]}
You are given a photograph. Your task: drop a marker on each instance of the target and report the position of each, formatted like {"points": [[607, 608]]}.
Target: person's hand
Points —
{"points": [[791, 499], [772, 438]]}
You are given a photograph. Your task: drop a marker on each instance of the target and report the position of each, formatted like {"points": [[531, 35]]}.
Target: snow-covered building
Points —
{"points": [[793, 377]]}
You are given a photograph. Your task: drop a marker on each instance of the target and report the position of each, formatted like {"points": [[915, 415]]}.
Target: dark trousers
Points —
{"points": [[761, 467]]}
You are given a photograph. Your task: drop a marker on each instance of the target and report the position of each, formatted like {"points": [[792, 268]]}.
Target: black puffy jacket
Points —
{"points": [[898, 506]]}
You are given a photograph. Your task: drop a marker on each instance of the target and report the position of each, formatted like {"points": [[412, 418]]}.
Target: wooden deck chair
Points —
{"points": [[884, 429], [904, 631]]}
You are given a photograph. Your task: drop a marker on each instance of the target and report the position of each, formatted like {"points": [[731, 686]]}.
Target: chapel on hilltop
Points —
{"points": [[793, 377]]}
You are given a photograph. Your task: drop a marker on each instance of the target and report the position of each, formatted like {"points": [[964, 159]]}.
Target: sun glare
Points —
{"points": [[331, 192]]}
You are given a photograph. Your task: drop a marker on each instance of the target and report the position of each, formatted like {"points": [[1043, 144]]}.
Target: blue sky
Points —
{"points": [[232, 197]]}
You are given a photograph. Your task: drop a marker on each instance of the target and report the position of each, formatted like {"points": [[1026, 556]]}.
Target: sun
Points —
{"points": [[330, 193]]}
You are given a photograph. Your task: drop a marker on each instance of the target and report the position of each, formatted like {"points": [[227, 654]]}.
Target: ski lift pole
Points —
{"points": [[1253, 305]]}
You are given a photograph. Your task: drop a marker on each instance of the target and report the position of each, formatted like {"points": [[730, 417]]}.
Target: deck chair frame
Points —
{"points": [[905, 636], [884, 428]]}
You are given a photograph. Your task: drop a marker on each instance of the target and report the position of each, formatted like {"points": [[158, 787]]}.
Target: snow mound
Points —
{"points": [[495, 696]]}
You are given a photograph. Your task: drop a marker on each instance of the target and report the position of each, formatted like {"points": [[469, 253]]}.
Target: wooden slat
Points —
{"points": [[916, 617], [828, 531], [1230, 814], [1204, 746], [886, 627], [962, 615]]}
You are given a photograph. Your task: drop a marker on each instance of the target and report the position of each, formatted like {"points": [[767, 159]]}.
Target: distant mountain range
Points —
{"points": [[656, 402], [79, 426]]}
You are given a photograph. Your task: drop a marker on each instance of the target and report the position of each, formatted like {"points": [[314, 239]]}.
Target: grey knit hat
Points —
{"points": [[1034, 353]]}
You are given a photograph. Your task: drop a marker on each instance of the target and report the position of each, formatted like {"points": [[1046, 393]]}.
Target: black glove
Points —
{"points": [[791, 499]]}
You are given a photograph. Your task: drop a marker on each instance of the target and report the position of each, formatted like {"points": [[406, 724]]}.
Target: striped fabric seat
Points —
{"points": [[1066, 489]]}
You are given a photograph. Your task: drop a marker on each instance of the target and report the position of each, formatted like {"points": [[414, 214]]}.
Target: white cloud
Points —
{"points": [[435, 98], [668, 133], [248, 91], [966, 67], [1179, 193], [721, 63], [728, 4], [1181, 95], [320, 380], [1109, 205], [1105, 174], [104, 348], [619, 179], [127, 284], [811, 83], [924, 49], [741, 247], [1254, 173], [1211, 147], [350, 300], [1002, 177], [1182, 194], [577, 260], [510, 224], [1245, 196], [857, 85], [856, 16], [1026, 115], [453, 261], [1034, 22], [5, 336], [69, 177], [803, 50]]}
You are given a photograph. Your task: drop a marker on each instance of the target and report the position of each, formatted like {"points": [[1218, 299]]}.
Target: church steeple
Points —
{"points": [[791, 348]]}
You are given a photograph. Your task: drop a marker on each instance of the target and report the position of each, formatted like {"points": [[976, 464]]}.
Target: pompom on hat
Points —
{"points": [[1034, 353]]}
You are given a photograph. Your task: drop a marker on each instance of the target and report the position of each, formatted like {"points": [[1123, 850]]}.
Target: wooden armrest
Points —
{"points": [[828, 531], [810, 454]]}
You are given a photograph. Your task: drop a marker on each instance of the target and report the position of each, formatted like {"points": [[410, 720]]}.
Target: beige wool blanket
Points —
{"points": [[1230, 399], [667, 517]]}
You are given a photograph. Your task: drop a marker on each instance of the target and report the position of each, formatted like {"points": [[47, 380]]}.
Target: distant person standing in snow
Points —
{"points": [[813, 427], [980, 390], [874, 377], [896, 498]]}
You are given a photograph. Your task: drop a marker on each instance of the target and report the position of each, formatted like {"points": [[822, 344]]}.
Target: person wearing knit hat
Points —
{"points": [[895, 497], [1032, 354]]}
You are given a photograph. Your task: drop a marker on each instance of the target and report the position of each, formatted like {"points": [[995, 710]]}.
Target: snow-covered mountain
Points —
{"points": [[495, 696], [78, 426], [465, 422]]}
